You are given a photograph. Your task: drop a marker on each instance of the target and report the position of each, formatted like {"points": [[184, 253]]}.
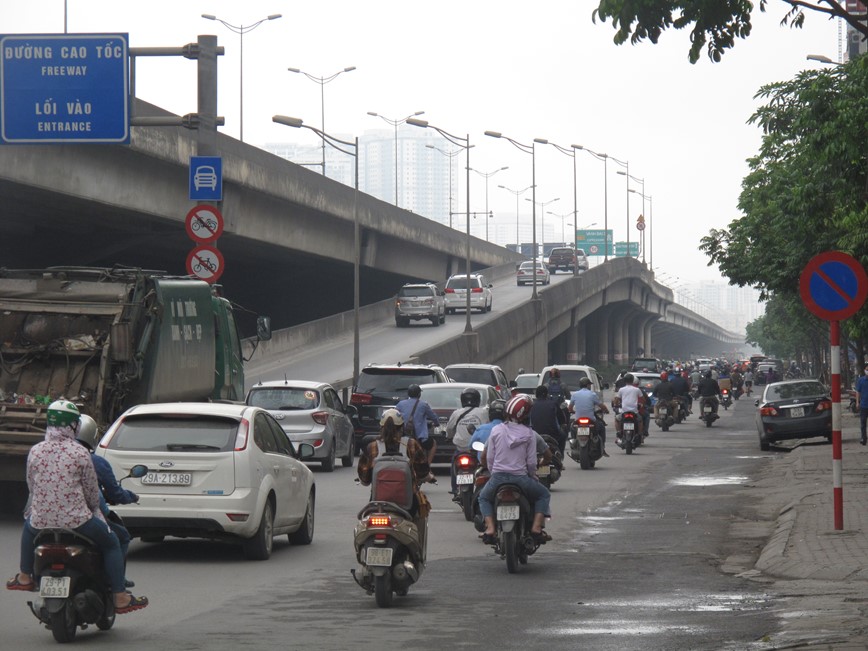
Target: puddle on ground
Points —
{"points": [[617, 628], [687, 603], [708, 481]]}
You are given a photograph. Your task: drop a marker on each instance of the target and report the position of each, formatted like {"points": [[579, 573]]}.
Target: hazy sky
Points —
{"points": [[528, 70]]}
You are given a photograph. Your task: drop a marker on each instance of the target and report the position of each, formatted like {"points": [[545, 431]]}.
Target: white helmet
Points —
{"points": [[394, 415]]}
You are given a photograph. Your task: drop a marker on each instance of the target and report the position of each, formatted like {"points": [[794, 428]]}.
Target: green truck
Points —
{"points": [[107, 339]]}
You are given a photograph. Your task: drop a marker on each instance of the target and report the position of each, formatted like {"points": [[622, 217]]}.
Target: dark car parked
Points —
{"points": [[793, 409]]}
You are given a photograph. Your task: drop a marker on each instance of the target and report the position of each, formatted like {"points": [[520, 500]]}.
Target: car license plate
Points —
{"points": [[379, 556], [464, 479], [507, 512], [543, 471], [629, 426], [797, 412], [168, 479], [54, 586]]}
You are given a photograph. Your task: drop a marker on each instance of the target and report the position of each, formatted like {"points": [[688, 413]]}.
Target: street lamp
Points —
{"points": [[543, 205], [516, 193], [241, 30], [564, 222], [486, 176], [463, 143], [642, 182], [450, 155], [322, 81], [395, 123], [605, 158], [572, 153], [342, 146], [822, 58], [527, 149]]}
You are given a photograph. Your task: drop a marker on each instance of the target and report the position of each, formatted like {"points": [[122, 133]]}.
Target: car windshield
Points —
{"points": [[527, 381], [461, 283], [529, 265], [478, 375], [392, 380], [175, 432], [569, 377], [415, 291], [795, 390], [284, 398], [448, 396]]}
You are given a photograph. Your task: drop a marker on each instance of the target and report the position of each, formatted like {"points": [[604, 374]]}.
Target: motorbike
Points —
{"points": [[665, 414], [585, 446], [74, 591], [707, 412], [630, 437], [549, 472], [464, 469], [391, 548], [514, 519], [681, 409], [853, 404], [725, 398]]}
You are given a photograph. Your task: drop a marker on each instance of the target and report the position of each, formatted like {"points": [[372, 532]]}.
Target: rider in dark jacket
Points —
{"points": [[547, 417], [709, 389]]}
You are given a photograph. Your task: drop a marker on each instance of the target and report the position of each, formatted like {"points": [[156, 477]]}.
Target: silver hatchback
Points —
{"points": [[309, 412]]}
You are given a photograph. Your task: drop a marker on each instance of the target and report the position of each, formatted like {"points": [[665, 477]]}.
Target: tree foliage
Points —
{"points": [[807, 188], [716, 24], [786, 332]]}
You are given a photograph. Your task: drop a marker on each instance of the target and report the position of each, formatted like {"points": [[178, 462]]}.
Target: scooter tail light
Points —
{"points": [[508, 495], [379, 520], [465, 461], [584, 421]]}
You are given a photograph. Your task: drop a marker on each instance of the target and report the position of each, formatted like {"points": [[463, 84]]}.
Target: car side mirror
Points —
{"points": [[756, 403], [305, 451], [513, 384], [351, 411]]}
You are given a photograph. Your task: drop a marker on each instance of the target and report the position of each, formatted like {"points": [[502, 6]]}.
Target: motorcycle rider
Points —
{"points": [[110, 489], [748, 381], [663, 392], [511, 456], [496, 415], [709, 390], [628, 398], [585, 403], [462, 423], [681, 389], [416, 414], [555, 387], [389, 442], [64, 493], [548, 418]]}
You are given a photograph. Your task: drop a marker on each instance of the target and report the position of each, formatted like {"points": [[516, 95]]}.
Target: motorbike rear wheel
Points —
{"points": [[709, 421], [585, 458], [467, 505], [628, 445], [63, 623], [107, 620], [383, 590], [510, 542]]}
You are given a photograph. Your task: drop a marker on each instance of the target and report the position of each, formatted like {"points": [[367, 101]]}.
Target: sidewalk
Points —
{"points": [[805, 544], [821, 573]]}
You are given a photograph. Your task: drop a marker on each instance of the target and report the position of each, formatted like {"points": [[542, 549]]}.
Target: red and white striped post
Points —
{"points": [[837, 469]]}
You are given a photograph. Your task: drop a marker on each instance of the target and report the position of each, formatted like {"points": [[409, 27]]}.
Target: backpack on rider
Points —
{"points": [[392, 476]]}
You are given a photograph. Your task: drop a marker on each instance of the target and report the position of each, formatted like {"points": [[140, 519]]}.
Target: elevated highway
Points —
{"points": [[288, 245]]}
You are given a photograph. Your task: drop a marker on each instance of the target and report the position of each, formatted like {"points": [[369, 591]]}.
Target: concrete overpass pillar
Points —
{"points": [[602, 337], [575, 344]]}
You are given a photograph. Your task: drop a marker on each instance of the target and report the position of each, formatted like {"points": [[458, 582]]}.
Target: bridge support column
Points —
{"points": [[575, 337], [601, 323]]}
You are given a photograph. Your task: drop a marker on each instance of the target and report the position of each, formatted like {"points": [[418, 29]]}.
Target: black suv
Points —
{"points": [[384, 385]]}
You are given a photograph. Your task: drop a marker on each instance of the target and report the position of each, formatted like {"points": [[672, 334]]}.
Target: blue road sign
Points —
{"points": [[833, 285], [64, 88], [206, 178]]}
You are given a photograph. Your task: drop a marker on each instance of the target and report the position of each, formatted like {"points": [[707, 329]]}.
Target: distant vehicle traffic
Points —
{"points": [[568, 259], [524, 383], [446, 398], [482, 374], [524, 275]]}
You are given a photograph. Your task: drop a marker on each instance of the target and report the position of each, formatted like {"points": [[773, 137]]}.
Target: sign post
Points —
{"points": [[833, 286]]}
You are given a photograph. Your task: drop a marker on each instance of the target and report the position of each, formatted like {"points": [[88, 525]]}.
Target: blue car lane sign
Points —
{"points": [[206, 178], [64, 88]]}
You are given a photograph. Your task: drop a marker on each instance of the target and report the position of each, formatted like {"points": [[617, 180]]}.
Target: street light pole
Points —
{"points": [[464, 143], [527, 149], [450, 155], [642, 194], [572, 153], [605, 159], [395, 122], [241, 30], [342, 146], [322, 81], [543, 205], [516, 193], [486, 176]]}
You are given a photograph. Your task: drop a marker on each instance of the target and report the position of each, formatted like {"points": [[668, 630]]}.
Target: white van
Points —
{"points": [[571, 374]]}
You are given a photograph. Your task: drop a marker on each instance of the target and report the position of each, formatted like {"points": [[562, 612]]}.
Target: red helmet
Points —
{"points": [[664, 375], [518, 409]]}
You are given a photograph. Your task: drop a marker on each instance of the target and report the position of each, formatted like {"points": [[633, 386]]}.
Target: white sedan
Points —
{"points": [[524, 275]]}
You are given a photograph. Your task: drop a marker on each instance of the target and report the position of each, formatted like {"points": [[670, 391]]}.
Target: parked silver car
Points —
{"points": [[309, 412], [222, 471]]}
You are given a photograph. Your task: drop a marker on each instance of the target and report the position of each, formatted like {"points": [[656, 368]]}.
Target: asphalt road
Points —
{"points": [[635, 564]]}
